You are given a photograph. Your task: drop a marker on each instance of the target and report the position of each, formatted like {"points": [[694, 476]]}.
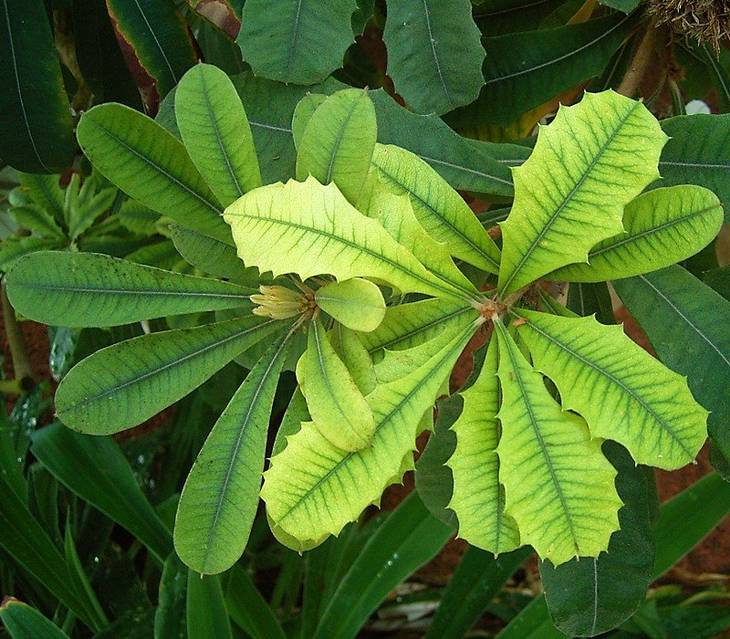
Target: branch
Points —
{"points": [[639, 63], [16, 342]]}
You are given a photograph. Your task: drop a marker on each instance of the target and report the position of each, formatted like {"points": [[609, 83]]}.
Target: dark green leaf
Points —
{"points": [[207, 617], [249, 609], [170, 618], [24, 622]]}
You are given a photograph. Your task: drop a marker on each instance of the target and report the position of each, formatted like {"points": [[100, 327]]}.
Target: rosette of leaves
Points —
{"points": [[361, 248]]}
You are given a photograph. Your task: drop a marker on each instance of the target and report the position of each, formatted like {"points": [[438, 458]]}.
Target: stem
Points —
{"points": [[639, 63], [16, 342]]}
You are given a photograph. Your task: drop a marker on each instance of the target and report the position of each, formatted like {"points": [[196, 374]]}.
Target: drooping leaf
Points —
{"points": [[310, 229], [126, 383], [309, 505], [295, 41], [408, 325], [559, 487], [218, 502], [409, 537], [478, 498], [476, 581], [434, 53], [338, 409], [170, 617], [23, 622], [661, 227], [463, 163], [621, 391], [697, 152], [550, 61], [123, 145], [576, 170], [157, 41], [96, 470], [395, 212], [590, 596], [686, 322], [86, 289], [338, 142], [216, 133], [358, 304], [440, 210], [207, 617], [35, 131], [248, 609]]}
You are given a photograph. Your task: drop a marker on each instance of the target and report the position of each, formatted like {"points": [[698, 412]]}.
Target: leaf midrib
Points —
{"points": [[139, 291], [567, 199]]}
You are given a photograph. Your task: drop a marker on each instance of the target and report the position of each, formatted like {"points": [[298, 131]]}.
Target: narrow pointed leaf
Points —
{"points": [[408, 325], [358, 304], [559, 487], [218, 502], [86, 289], [623, 393], [122, 385], [23, 622], [338, 142], [478, 498], [434, 53], [170, 621], [207, 617], [338, 408], [661, 227], [313, 488], [395, 212], [440, 210], [295, 41], [248, 609], [124, 144], [216, 133], [698, 153], [686, 322], [36, 132], [590, 596], [310, 229], [576, 171]]}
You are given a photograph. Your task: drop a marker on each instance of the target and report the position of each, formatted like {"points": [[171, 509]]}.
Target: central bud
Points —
{"points": [[280, 302]]}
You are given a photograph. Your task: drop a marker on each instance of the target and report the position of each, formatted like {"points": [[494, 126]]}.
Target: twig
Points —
{"points": [[16, 342], [639, 63]]}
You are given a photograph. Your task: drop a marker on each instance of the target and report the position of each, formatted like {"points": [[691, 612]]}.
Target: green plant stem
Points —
{"points": [[640, 61], [16, 341]]}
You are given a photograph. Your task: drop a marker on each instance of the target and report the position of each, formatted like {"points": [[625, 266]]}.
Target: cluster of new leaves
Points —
{"points": [[362, 223]]}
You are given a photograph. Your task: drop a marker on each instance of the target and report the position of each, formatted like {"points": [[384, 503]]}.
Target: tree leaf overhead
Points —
{"points": [[661, 227], [621, 391], [434, 53], [439, 209], [124, 144], [86, 289], [559, 487], [478, 498], [337, 407], [216, 133], [295, 41], [338, 142], [218, 502], [309, 505], [576, 171], [122, 385], [310, 229]]}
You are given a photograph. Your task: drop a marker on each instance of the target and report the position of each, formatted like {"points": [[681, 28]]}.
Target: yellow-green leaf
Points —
{"points": [[356, 303]]}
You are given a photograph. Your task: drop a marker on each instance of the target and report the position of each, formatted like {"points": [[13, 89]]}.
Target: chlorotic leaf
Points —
{"points": [[143, 375], [295, 41], [434, 53], [310, 229], [570, 193], [61, 288], [338, 142], [218, 502], [559, 487], [303, 112], [440, 210], [661, 227], [478, 498], [622, 392], [124, 144], [355, 357], [338, 409], [356, 303], [313, 489], [216, 133]]}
